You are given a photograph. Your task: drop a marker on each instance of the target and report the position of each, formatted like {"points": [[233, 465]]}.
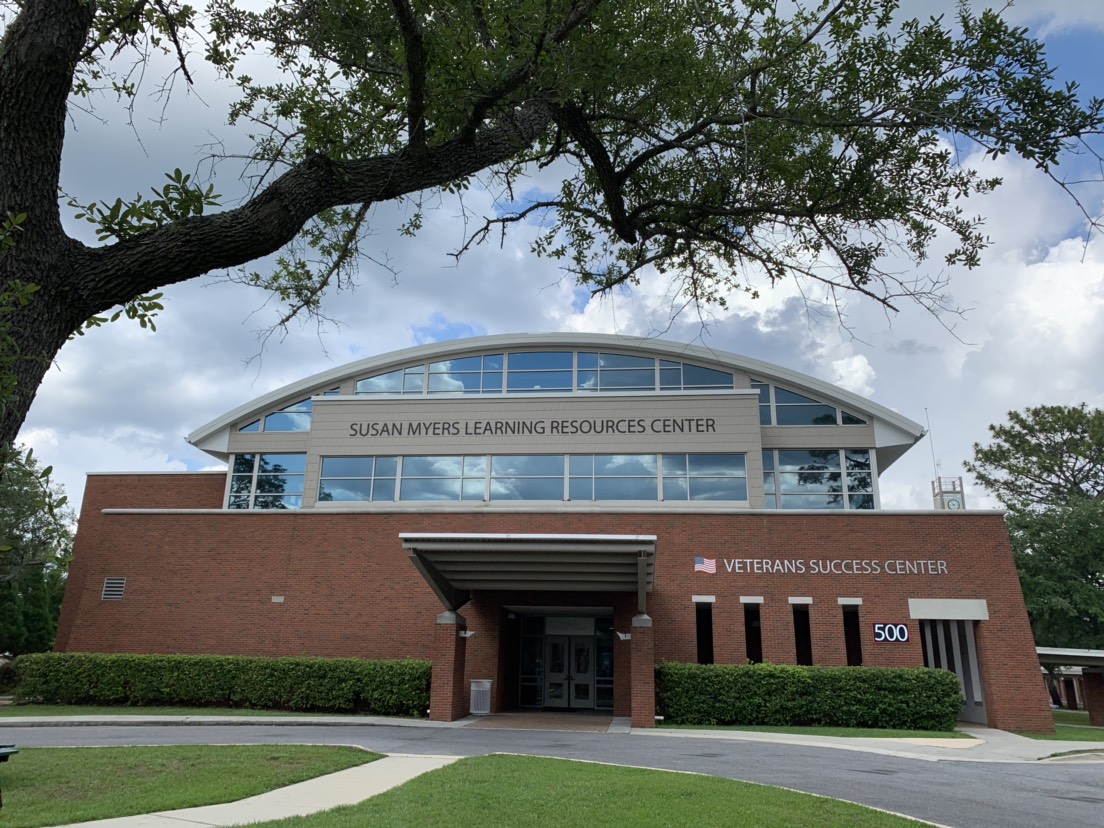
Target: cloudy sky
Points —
{"points": [[122, 398]]}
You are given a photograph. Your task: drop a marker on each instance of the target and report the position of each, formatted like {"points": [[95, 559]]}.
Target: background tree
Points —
{"points": [[1046, 465], [36, 543], [1060, 557], [1051, 455], [728, 145]]}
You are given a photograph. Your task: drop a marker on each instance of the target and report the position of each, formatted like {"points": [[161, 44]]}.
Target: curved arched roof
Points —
{"points": [[894, 434]]}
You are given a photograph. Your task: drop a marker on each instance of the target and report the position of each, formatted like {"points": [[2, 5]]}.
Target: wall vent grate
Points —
{"points": [[113, 589]]}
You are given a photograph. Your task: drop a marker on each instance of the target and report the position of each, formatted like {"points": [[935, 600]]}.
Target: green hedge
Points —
{"points": [[777, 694], [346, 685]]}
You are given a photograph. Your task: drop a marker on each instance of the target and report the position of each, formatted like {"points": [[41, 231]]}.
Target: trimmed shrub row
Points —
{"points": [[345, 685], [778, 694]]}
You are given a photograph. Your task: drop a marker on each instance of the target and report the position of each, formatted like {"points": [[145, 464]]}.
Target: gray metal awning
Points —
{"points": [[455, 564]]}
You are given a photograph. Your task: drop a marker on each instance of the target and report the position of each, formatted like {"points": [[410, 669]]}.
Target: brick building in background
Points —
{"points": [[555, 513]]}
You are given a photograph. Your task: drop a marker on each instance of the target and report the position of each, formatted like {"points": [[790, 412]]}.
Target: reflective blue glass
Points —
{"points": [[851, 419], [281, 421], [418, 488], [675, 488], [279, 484], [784, 397], [808, 460], [534, 465], [344, 491], [810, 481], [238, 502], [694, 376], [253, 426], [278, 502], [389, 383], [626, 361], [861, 501], [718, 488], [492, 362], [541, 361], [241, 483], [474, 489], [413, 380], [347, 466], [243, 463], [538, 381], [527, 488], [492, 382], [283, 463], [619, 380], [670, 379], [581, 488], [674, 464], [626, 488], [454, 383], [475, 464], [445, 466], [791, 415], [625, 464], [857, 460], [453, 365], [587, 381], [383, 488], [581, 464], [717, 465], [587, 360], [386, 466]]}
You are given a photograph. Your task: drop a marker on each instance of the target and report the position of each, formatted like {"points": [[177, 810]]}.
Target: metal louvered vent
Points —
{"points": [[113, 589]]}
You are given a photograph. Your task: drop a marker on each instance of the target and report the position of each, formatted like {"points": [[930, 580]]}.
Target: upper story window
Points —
{"points": [[294, 417], [535, 372], [779, 406], [818, 479], [267, 481], [576, 477]]}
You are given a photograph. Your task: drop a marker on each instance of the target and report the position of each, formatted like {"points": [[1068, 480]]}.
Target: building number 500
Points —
{"points": [[891, 632]]}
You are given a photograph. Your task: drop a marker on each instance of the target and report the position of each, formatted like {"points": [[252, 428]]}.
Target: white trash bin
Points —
{"points": [[481, 697]]}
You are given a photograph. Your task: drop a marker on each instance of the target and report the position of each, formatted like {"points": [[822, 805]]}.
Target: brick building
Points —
{"points": [[555, 513]]}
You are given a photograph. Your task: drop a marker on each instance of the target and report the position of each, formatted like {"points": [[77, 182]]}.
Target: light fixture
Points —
{"points": [[624, 636], [467, 633]]}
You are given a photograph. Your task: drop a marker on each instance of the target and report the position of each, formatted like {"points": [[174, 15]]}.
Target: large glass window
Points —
{"points": [[294, 417], [534, 372], [818, 479], [267, 481], [358, 478], [585, 477], [778, 406]]}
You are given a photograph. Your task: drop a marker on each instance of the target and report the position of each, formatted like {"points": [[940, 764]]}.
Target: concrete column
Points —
{"points": [[1094, 696], [643, 672], [448, 699]]}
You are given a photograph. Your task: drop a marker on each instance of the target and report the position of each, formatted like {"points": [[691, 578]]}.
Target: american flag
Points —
{"points": [[705, 565]]}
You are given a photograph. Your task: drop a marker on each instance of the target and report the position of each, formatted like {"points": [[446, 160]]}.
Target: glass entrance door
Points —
{"points": [[570, 672]]}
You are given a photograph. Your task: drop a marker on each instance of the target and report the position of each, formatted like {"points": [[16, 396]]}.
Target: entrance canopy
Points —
{"points": [[456, 564]]}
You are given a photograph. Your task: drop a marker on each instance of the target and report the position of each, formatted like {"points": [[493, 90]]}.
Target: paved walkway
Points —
{"points": [[357, 784]]}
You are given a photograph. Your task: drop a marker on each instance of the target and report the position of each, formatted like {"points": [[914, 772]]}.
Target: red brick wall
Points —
{"points": [[203, 583]]}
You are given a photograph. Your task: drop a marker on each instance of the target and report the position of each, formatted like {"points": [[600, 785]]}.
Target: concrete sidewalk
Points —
{"points": [[347, 787]]}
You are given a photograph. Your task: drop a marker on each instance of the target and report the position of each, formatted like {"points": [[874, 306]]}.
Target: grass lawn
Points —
{"points": [[1071, 717], [1071, 726], [852, 732], [122, 710], [508, 791], [54, 786]]}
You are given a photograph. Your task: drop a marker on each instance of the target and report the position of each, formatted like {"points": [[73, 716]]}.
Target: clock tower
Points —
{"points": [[947, 493]]}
